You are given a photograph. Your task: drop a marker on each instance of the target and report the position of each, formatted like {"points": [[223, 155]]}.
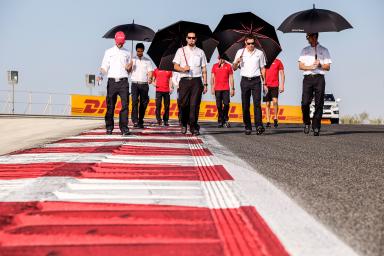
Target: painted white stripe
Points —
{"points": [[102, 157], [118, 143], [140, 130], [177, 193], [170, 137], [299, 232], [168, 160], [84, 144], [53, 157]]}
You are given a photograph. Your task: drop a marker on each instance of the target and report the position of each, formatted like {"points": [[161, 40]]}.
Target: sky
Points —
{"points": [[54, 43]]}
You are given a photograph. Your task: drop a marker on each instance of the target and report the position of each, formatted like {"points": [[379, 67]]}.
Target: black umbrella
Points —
{"points": [[313, 21], [233, 28], [169, 39], [132, 32]]}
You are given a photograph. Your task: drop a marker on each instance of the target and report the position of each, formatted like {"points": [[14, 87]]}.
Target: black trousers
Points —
{"points": [[190, 92], [313, 85], [140, 101], [222, 104], [115, 89], [251, 88], [162, 96]]}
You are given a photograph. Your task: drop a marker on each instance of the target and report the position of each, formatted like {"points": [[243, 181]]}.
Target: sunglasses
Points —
{"points": [[191, 37], [253, 43]]}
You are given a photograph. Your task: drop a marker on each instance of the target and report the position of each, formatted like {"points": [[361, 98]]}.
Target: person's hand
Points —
{"points": [[232, 92], [213, 90], [240, 59], [281, 89], [170, 90], [99, 78], [205, 90], [315, 64], [186, 69], [265, 88]]}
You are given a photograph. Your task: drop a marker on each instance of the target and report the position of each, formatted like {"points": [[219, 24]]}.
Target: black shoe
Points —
{"points": [[248, 132], [183, 129], [268, 125], [275, 123], [135, 125], [260, 130], [220, 125], [109, 132], [196, 132], [159, 122], [306, 129], [141, 126], [166, 123], [126, 133], [316, 132], [227, 124]]}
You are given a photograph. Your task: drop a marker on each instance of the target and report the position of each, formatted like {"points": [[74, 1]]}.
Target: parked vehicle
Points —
{"points": [[330, 109]]}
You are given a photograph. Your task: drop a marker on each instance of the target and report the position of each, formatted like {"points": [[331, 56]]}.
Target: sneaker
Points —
{"points": [[166, 123], [159, 122], [275, 123], [220, 125], [316, 132], [109, 132], [227, 124], [248, 132], [260, 130], [135, 125], [183, 129], [268, 125], [306, 129]]}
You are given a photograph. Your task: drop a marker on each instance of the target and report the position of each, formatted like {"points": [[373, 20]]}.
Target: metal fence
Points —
{"points": [[35, 103]]}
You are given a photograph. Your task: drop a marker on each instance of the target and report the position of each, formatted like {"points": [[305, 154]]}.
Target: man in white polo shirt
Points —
{"points": [[141, 76], [116, 62], [314, 61], [251, 62], [191, 62]]}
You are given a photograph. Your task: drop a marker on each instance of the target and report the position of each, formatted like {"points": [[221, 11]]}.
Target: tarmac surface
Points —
{"points": [[338, 177]]}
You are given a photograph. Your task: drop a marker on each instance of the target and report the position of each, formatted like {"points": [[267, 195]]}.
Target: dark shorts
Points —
{"points": [[273, 92]]}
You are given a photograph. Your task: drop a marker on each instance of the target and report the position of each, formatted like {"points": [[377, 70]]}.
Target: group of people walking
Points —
{"points": [[190, 76]]}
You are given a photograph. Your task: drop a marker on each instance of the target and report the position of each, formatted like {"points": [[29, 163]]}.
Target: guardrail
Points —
{"points": [[35, 103]]}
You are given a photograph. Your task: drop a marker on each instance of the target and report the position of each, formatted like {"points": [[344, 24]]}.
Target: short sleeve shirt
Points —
{"points": [[162, 79], [222, 76], [140, 69], [307, 57], [272, 73], [195, 57], [114, 61], [252, 62]]}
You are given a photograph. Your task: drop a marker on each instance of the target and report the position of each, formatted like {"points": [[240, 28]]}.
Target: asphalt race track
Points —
{"points": [[337, 177]]}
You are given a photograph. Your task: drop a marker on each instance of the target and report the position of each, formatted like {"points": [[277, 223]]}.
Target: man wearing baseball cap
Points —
{"points": [[117, 60]]}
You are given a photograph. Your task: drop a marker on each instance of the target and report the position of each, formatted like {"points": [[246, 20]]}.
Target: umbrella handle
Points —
{"points": [[185, 57]]}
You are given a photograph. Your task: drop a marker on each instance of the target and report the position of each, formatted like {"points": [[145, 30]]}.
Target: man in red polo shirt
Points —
{"points": [[274, 80], [221, 80], [163, 82]]}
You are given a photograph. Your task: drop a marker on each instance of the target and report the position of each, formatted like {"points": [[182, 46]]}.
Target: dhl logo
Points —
{"points": [[96, 106]]}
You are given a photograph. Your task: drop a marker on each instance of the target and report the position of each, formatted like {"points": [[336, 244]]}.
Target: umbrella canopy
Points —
{"points": [[233, 28], [132, 32], [169, 39], [313, 21]]}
